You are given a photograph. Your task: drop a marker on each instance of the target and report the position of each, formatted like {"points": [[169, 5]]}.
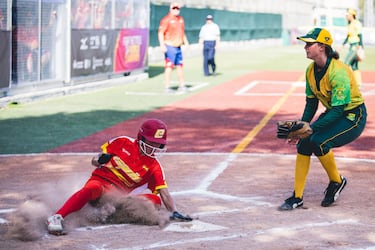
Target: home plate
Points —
{"points": [[193, 226]]}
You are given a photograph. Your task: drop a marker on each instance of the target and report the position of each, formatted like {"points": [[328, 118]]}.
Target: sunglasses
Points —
{"points": [[175, 8], [310, 44]]}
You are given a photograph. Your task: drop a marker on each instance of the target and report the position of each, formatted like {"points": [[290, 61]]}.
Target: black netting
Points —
{"points": [[34, 32], [3, 15]]}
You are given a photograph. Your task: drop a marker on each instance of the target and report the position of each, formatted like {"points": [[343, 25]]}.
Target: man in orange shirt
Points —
{"points": [[129, 166], [171, 35]]}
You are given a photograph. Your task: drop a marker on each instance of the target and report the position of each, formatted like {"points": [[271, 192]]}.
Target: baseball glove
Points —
{"points": [[293, 129]]}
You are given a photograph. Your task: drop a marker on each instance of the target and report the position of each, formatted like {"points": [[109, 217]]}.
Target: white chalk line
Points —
{"points": [[183, 242], [191, 87], [207, 181], [255, 200], [92, 228], [246, 90], [201, 189], [275, 230], [224, 211], [7, 210], [193, 226]]}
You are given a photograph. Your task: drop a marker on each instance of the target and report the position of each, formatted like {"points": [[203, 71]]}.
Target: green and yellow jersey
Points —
{"points": [[354, 30], [336, 87]]}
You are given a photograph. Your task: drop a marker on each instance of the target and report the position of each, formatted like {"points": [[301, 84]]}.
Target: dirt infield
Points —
{"points": [[234, 198], [224, 167]]}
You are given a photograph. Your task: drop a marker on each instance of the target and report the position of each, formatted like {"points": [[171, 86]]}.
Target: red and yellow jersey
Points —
{"points": [[337, 87], [173, 28], [128, 169]]}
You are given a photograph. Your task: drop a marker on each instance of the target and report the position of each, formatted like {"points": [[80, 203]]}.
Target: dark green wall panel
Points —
{"points": [[234, 26]]}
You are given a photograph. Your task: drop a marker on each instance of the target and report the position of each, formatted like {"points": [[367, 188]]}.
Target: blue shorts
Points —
{"points": [[173, 57]]}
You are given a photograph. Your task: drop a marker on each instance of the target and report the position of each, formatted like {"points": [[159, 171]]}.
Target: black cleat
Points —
{"points": [[333, 191], [291, 203]]}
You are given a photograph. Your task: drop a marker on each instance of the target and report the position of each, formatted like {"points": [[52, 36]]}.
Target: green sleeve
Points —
{"points": [[360, 40], [328, 118], [346, 40], [311, 107]]}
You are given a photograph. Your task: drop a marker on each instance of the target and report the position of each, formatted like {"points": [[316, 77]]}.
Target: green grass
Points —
{"points": [[44, 124]]}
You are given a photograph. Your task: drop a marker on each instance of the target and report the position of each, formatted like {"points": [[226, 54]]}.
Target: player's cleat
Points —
{"points": [[333, 191], [291, 203], [182, 89], [169, 90], [54, 224]]}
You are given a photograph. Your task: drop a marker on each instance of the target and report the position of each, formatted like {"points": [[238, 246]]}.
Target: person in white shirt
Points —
{"points": [[209, 37]]}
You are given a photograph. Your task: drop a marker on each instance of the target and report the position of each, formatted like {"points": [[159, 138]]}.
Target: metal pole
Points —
{"points": [[38, 69], [67, 44]]}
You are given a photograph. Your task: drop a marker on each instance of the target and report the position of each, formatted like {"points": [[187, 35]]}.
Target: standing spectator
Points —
{"points": [[354, 39], [171, 35], [209, 36], [81, 15], [2, 21]]}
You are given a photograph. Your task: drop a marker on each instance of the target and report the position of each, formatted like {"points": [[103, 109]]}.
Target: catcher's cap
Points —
{"points": [[153, 130], [351, 12], [319, 35], [209, 17]]}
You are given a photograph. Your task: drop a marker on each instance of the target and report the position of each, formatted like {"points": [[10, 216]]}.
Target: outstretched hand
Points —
{"points": [[102, 158]]}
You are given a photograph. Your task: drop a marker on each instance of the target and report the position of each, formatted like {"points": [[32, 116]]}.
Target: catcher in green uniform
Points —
{"points": [[332, 83]]}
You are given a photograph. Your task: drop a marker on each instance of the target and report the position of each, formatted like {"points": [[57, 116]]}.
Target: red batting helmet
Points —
{"points": [[153, 130]]}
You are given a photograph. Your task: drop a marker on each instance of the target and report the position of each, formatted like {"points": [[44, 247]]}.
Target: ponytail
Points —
{"points": [[332, 53]]}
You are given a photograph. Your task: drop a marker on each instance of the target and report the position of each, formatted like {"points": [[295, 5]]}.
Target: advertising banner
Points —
{"points": [[131, 50], [92, 52]]}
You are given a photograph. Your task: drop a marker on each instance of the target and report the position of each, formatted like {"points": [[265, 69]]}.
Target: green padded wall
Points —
{"points": [[234, 26]]}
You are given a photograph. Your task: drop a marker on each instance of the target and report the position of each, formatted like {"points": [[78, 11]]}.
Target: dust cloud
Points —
{"points": [[28, 221]]}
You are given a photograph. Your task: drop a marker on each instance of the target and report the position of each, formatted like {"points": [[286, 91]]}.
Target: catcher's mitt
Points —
{"points": [[293, 129]]}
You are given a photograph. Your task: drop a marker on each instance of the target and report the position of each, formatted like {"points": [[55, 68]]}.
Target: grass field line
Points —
{"points": [[263, 155], [245, 90], [368, 89], [191, 87]]}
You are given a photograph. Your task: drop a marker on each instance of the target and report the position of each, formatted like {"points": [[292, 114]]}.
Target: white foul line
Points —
{"points": [[233, 236], [206, 182]]}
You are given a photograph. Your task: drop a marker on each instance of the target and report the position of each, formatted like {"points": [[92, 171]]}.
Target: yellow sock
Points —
{"points": [[301, 171], [358, 77], [329, 164]]}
